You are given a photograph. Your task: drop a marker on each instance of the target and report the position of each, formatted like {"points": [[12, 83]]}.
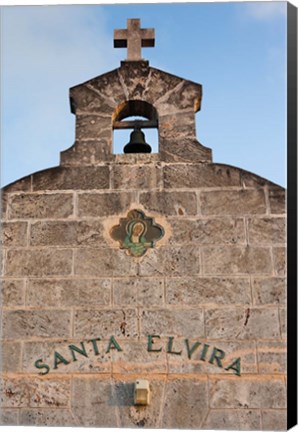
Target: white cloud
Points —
{"points": [[45, 51], [265, 11]]}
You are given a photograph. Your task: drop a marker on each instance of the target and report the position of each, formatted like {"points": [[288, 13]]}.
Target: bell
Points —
{"points": [[137, 143]]}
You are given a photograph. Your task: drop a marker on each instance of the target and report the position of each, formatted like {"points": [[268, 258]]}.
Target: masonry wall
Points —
{"points": [[216, 278]]}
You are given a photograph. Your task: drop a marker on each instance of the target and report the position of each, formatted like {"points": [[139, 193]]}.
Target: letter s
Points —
{"points": [[40, 365]]}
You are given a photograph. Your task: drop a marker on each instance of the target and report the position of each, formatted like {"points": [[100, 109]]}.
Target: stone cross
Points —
{"points": [[133, 38]]}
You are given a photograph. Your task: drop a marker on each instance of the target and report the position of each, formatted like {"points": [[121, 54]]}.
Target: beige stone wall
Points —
{"points": [[217, 277]]}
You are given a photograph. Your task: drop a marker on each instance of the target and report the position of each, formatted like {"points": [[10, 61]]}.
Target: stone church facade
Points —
{"points": [[163, 267]]}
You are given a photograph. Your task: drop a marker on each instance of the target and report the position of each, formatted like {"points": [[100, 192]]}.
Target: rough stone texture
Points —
{"points": [[215, 281], [200, 290], [247, 393], [40, 206], [20, 324], [242, 323]]}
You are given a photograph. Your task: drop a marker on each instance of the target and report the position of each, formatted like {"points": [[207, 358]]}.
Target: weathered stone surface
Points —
{"points": [[34, 392], [12, 292], [107, 85], [93, 392], [182, 149], [252, 392], [208, 231], [178, 176], [274, 420], [136, 177], [241, 323], [233, 420], [152, 263], [121, 323], [233, 202], [135, 359], [39, 206], [199, 290], [40, 323], [160, 84], [177, 127], [277, 200], [283, 322], [232, 350], [104, 263], [182, 260], [236, 260], [272, 357], [87, 153], [137, 416], [10, 357], [134, 78], [85, 99], [269, 290], [67, 292], [80, 178], [70, 233], [105, 204], [38, 262], [266, 230], [140, 292], [90, 127], [9, 417], [191, 398], [46, 417], [21, 185], [279, 260], [13, 234], [166, 322], [97, 360], [170, 203]]}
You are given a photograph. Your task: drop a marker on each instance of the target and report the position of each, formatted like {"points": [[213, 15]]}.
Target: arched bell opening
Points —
{"points": [[135, 128]]}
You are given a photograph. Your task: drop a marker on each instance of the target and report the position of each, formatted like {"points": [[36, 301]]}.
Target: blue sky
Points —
{"points": [[237, 51]]}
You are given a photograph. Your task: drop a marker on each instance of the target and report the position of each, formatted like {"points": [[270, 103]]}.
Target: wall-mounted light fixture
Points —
{"points": [[142, 392]]}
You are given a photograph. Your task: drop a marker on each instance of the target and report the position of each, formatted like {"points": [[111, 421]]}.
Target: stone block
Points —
{"points": [[133, 77], [233, 202], [22, 324], [236, 260], [283, 322], [138, 291], [159, 85], [200, 290], [9, 417], [12, 292], [233, 419], [266, 230], [85, 99], [242, 323], [68, 292], [46, 417], [108, 86], [152, 263], [49, 393], [14, 392], [200, 175], [251, 392], [272, 357], [207, 231], [195, 365], [167, 322], [274, 420], [3, 204], [135, 359], [102, 262], [181, 149], [277, 200], [25, 206], [21, 185], [80, 178], [139, 416], [121, 323], [70, 233], [87, 153], [10, 357], [269, 290], [89, 127], [98, 394], [192, 399], [96, 359], [38, 262], [104, 204], [170, 203], [249, 179], [176, 126], [279, 260], [136, 177], [182, 260], [13, 234]]}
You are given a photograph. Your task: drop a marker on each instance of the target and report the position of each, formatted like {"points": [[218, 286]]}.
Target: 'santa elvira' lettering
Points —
{"points": [[191, 350]]}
